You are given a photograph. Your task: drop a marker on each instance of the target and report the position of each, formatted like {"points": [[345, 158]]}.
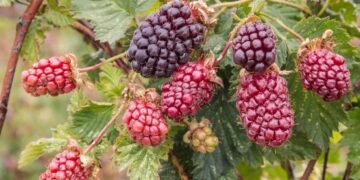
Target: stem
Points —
{"points": [[347, 171], [90, 68], [326, 157], [327, 2], [106, 127], [21, 31], [228, 44], [178, 166], [230, 4], [290, 4], [84, 29], [308, 170], [218, 13], [288, 29], [289, 169]]}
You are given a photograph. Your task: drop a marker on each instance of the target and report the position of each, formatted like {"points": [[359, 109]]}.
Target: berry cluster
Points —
{"points": [[165, 39], [189, 89], [325, 73], [265, 110], [52, 76], [145, 123], [254, 47], [66, 165]]}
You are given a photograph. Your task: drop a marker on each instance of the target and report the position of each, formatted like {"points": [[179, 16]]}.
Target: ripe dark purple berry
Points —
{"points": [[165, 39], [254, 47], [265, 109]]}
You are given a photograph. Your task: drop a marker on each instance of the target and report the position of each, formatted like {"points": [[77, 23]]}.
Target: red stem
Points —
{"points": [[308, 170], [21, 30], [347, 171]]}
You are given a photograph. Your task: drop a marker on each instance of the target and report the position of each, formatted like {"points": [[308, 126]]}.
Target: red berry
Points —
{"points": [[145, 123], [188, 90], [52, 76], [165, 39], [66, 165], [254, 47], [325, 73], [265, 110]]}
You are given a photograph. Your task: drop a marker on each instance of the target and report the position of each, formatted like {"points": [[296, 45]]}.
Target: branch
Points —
{"points": [[289, 169], [323, 8], [21, 30], [347, 171], [178, 166], [111, 59], [326, 157], [229, 4], [308, 170], [88, 33], [106, 127]]}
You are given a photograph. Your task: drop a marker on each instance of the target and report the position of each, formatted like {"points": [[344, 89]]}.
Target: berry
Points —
{"points": [[325, 73], [189, 89], [66, 165], [165, 39], [200, 137], [52, 76], [254, 47], [265, 110], [145, 123]]}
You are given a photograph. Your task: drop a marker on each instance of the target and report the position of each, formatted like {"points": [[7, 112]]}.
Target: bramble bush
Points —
{"points": [[196, 89]]}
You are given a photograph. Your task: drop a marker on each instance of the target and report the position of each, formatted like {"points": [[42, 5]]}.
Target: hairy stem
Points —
{"points": [[304, 9], [178, 166], [21, 31], [326, 157], [88, 33], [288, 29], [347, 171], [322, 10], [90, 68], [308, 170]]}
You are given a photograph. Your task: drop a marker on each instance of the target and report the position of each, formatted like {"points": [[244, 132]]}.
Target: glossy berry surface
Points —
{"points": [[325, 73], [254, 47], [66, 165], [51, 76], [265, 110], [145, 123], [164, 40], [188, 90]]}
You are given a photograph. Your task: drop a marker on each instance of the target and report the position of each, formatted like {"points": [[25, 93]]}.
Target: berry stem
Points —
{"points": [[288, 29], [90, 68], [304, 9], [228, 44], [347, 171], [308, 170], [326, 157], [106, 127], [230, 4], [322, 10], [178, 166], [21, 31]]}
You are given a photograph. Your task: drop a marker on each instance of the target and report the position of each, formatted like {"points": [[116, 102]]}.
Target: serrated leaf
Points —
{"points": [[168, 171], [89, 120], [142, 162], [58, 18], [34, 37], [77, 101], [111, 81], [351, 137], [282, 52], [110, 20], [313, 116], [38, 148], [224, 24], [233, 141]]}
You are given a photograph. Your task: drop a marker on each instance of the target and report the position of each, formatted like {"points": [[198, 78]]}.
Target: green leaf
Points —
{"points": [[38, 148], [111, 81], [224, 24], [351, 137], [234, 143], [6, 3], [346, 10], [89, 120], [110, 20], [168, 171], [57, 18], [282, 52], [313, 116], [34, 37], [142, 162], [77, 102]]}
